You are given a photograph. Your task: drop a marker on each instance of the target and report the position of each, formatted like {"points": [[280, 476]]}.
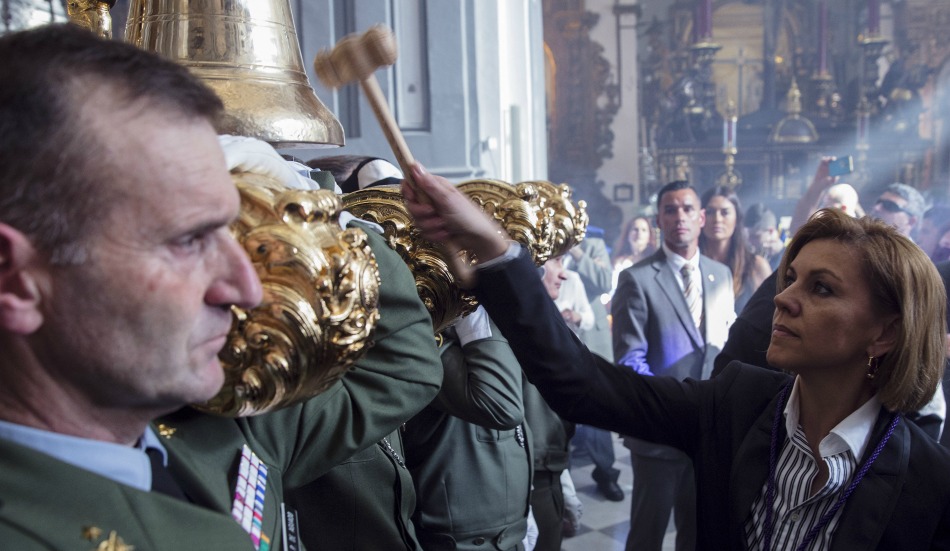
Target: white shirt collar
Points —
{"points": [[123, 464], [677, 262], [853, 432]]}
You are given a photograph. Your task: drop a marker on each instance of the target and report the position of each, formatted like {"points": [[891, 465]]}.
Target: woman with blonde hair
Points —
{"points": [[818, 456]]}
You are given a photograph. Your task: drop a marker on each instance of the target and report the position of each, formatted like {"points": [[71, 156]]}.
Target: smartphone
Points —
{"points": [[841, 166]]}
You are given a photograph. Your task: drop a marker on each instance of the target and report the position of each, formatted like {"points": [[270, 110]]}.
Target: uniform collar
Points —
{"points": [[123, 464]]}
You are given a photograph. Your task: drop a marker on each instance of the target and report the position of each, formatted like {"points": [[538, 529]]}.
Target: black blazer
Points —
{"points": [[723, 423]]}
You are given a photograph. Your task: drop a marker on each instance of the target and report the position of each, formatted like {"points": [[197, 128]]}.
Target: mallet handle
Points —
{"points": [[376, 99]]}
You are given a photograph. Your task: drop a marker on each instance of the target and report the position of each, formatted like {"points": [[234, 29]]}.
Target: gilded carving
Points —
{"points": [[435, 284], [538, 214], [321, 294], [92, 14]]}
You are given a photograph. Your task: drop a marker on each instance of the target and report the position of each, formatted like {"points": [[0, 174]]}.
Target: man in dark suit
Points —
{"points": [[671, 315]]}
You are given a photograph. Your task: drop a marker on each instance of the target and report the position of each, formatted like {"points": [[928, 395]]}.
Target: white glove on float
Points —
{"points": [[244, 154]]}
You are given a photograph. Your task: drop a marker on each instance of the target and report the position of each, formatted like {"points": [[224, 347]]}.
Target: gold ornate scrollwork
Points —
{"points": [[568, 223], [321, 294], [538, 214], [435, 284]]}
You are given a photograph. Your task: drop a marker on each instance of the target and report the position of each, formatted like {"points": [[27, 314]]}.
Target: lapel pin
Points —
{"points": [[91, 533], [165, 431]]}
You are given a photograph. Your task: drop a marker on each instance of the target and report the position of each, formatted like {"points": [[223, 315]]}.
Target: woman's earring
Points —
{"points": [[872, 367]]}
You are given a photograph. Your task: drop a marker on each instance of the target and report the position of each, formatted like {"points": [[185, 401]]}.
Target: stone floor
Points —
{"points": [[605, 524]]}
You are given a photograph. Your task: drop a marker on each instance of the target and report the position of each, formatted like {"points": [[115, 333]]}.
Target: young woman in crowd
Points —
{"points": [[723, 240], [635, 242]]}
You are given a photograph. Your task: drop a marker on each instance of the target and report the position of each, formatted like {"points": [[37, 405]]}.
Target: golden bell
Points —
{"points": [[247, 52]]}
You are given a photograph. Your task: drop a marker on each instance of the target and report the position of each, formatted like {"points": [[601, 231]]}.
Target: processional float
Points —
{"points": [[321, 282]]}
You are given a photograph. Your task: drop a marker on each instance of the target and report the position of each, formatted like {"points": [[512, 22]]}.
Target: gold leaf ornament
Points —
{"points": [[538, 214], [320, 305]]}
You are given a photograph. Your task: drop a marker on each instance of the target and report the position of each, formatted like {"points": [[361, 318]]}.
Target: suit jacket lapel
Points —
{"points": [[750, 468], [666, 280], [708, 282], [710, 286], [877, 492], [205, 453], [84, 500], [203, 480], [859, 528]]}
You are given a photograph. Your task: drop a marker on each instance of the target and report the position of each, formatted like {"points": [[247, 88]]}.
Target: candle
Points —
{"points": [[874, 17], [697, 23], [823, 38], [864, 117], [707, 18], [729, 128]]}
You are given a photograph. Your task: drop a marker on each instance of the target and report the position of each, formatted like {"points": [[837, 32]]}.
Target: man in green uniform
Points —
{"points": [[550, 437], [467, 450], [117, 278], [366, 502]]}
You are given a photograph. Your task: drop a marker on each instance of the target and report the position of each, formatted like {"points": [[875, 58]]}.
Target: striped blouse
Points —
{"points": [[794, 511]]}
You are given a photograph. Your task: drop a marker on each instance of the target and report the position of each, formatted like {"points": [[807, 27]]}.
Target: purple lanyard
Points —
{"points": [[773, 461]]}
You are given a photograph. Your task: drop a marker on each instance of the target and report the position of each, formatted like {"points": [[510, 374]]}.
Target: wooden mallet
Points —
{"points": [[356, 58]]}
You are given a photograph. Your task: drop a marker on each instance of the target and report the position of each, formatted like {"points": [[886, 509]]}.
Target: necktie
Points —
{"points": [[162, 480], [691, 292]]}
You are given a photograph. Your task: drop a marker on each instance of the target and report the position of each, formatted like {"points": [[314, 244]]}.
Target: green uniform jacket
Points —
{"points": [[364, 503], [48, 504], [468, 454]]}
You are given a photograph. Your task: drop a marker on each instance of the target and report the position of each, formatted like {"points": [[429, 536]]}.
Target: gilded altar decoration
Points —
{"points": [[320, 306], [538, 214]]}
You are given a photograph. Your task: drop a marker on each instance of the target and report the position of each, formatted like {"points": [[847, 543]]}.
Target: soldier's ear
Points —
{"points": [[20, 296]]}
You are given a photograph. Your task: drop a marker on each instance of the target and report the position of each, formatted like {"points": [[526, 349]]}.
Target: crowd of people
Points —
{"points": [[767, 404]]}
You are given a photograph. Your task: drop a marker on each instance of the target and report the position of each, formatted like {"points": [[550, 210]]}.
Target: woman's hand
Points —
{"points": [[445, 215]]}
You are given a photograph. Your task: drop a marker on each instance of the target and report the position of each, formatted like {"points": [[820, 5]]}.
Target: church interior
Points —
{"points": [[616, 98]]}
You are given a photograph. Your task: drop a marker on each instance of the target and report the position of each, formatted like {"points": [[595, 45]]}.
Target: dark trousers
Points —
{"points": [[547, 505], [662, 484], [598, 445]]}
